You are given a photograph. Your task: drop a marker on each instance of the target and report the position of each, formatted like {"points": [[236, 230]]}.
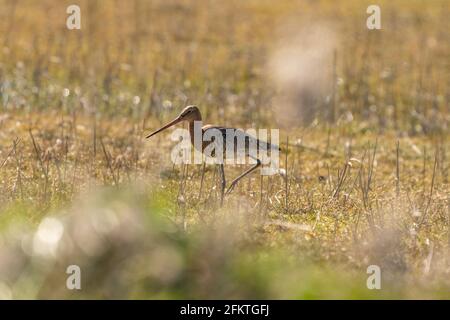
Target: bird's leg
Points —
{"points": [[223, 182], [235, 181]]}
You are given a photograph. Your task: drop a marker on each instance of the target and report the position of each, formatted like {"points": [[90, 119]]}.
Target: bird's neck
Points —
{"points": [[192, 130]]}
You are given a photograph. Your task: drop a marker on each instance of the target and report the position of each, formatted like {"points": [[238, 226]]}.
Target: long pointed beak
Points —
{"points": [[171, 123]]}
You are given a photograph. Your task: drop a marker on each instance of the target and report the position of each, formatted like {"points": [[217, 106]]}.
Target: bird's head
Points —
{"points": [[190, 113]]}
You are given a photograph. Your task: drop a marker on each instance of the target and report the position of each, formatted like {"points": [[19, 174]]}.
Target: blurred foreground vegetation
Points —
{"points": [[127, 248]]}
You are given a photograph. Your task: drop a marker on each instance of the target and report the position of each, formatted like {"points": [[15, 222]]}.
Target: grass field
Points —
{"points": [[364, 125]]}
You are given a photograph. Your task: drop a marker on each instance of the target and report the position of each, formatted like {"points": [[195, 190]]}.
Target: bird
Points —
{"points": [[191, 114]]}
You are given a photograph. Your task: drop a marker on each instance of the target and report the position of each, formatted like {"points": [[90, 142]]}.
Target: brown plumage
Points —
{"points": [[191, 114]]}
